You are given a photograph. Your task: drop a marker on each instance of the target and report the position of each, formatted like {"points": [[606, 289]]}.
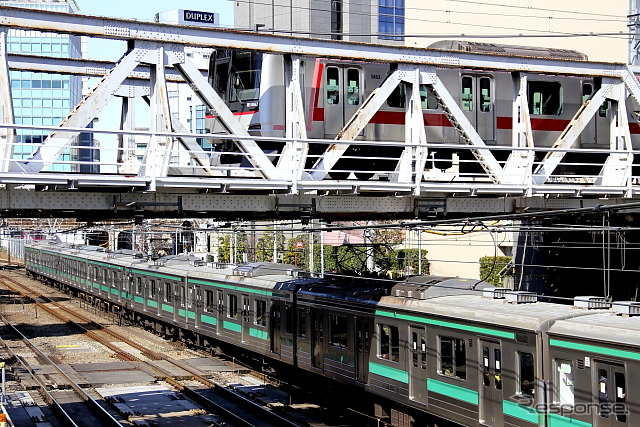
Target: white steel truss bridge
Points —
{"points": [[544, 132]]}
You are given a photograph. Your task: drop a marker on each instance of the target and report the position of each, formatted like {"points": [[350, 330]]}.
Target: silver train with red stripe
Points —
{"points": [[252, 85], [456, 349]]}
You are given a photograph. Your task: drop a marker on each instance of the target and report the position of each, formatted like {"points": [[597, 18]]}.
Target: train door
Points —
{"points": [[343, 92], [490, 383], [610, 394], [362, 348], [275, 324], [220, 321], [477, 103], [246, 317], [317, 339], [418, 364]]}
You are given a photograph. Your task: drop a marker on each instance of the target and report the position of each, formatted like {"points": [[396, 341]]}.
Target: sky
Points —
{"points": [[100, 49]]}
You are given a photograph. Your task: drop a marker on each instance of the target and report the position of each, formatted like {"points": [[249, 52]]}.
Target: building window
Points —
{"points": [[260, 312], [336, 19], [389, 347], [338, 330], [391, 20], [452, 358]]}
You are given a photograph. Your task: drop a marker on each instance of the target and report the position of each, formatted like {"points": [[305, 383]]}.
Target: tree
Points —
{"points": [[490, 268]]}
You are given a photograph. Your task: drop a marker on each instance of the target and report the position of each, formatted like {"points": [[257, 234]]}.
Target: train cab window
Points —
{"points": [[526, 380], [466, 97], [564, 392], [288, 319], [452, 357], [333, 85], [353, 86], [167, 292], [338, 331], [232, 305], [485, 94], [209, 304], [302, 322], [545, 98], [260, 312], [245, 77], [221, 77], [389, 344], [428, 98], [397, 98]]}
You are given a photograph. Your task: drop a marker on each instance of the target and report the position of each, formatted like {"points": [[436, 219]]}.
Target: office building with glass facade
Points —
{"points": [[42, 99]]}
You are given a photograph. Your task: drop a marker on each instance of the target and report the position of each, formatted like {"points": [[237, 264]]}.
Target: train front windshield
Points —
{"points": [[245, 76]]}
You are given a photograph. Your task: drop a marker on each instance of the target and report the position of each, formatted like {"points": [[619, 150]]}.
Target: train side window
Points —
{"points": [[603, 111], [232, 305], [260, 311], [545, 98], [389, 347], [302, 322], [397, 98], [466, 97], [452, 357], [564, 392], [288, 319], [208, 301], [526, 379], [338, 330], [353, 86], [587, 90], [154, 289], [167, 292], [333, 85], [485, 94], [183, 296], [428, 98]]}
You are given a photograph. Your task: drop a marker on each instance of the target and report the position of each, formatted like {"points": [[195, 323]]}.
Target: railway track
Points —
{"points": [[230, 403]]}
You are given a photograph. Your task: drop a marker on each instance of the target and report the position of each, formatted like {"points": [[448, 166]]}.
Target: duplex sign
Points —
{"points": [[196, 16]]}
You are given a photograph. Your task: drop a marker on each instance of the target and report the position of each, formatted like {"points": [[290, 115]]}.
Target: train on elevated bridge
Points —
{"points": [[319, 128]]}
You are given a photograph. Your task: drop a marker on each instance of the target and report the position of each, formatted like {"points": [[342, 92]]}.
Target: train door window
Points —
{"points": [[526, 379], [138, 285], [288, 319], [302, 322], [497, 360], [260, 312], [466, 97], [419, 353], [333, 85], [104, 275], [190, 298], [620, 388], [545, 98], [338, 330], [232, 305], [587, 90], [389, 345], [603, 393], [564, 393], [486, 373], [220, 300], [485, 94], [452, 358], [183, 296], [208, 301], [154, 289], [167, 292], [353, 86], [603, 111], [428, 98]]}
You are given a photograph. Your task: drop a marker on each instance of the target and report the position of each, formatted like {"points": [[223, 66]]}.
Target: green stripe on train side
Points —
{"points": [[556, 420], [595, 349], [232, 287], [522, 412], [231, 326], [208, 319], [454, 391], [389, 372], [167, 307], [445, 324], [263, 335]]}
